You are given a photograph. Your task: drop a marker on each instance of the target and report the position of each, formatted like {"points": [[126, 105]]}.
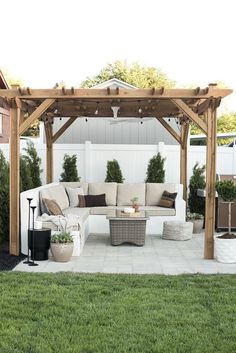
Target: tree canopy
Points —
{"points": [[135, 74], [225, 123]]}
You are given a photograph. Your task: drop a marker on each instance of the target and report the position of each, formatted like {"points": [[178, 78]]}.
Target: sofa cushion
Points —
{"points": [[158, 211], [73, 195], [126, 192], [76, 184], [52, 207], [110, 189], [57, 193], [94, 200], [154, 192], [83, 213], [101, 210], [167, 199]]}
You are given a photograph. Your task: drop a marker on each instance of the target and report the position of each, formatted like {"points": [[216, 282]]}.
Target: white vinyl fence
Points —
{"points": [[133, 159]]}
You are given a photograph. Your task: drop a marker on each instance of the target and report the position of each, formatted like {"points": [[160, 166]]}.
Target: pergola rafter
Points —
{"points": [[197, 105]]}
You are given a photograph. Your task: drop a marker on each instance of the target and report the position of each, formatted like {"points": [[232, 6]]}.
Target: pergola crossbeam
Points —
{"points": [[36, 114], [190, 114], [63, 129], [169, 129]]}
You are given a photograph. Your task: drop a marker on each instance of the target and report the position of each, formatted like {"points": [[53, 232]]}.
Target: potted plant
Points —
{"points": [[135, 204], [197, 219], [62, 246], [225, 244]]}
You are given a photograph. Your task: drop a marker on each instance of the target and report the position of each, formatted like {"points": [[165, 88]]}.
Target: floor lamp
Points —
{"points": [[27, 261], [32, 263]]}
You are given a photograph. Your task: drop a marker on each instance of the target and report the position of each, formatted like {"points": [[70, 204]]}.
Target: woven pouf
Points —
{"points": [[177, 230]]}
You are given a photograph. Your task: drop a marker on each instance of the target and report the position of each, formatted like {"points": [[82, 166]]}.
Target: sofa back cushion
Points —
{"points": [[154, 192], [76, 184], [110, 189], [57, 193], [126, 192]]}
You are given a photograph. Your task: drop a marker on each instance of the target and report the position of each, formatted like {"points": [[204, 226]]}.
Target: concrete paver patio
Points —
{"points": [[157, 256]]}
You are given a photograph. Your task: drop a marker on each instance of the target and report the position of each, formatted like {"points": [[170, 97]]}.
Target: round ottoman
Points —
{"points": [[177, 230]]}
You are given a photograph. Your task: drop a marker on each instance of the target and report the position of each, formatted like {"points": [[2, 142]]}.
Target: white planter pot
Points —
{"points": [[225, 250], [62, 252], [197, 226]]}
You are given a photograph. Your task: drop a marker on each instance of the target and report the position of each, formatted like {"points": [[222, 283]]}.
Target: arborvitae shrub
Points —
{"points": [[114, 173], [69, 169], [155, 170], [196, 203], [34, 162], [4, 197]]}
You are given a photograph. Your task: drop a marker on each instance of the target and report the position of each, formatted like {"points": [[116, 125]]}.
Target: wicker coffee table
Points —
{"points": [[125, 228]]}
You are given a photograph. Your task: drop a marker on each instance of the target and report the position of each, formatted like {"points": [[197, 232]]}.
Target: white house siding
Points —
{"points": [[101, 131]]}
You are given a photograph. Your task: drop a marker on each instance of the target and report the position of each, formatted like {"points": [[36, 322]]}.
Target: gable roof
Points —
{"points": [[113, 83], [3, 82]]}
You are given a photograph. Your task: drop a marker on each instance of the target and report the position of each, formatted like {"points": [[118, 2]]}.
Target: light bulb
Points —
{"points": [[140, 110]]}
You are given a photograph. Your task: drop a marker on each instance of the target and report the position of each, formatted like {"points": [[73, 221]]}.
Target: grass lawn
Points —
{"points": [[65, 313]]}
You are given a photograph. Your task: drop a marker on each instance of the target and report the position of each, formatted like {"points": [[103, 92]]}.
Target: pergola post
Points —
{"points": [[184, 158], [15, 115], [49, 152], [210, 183]]}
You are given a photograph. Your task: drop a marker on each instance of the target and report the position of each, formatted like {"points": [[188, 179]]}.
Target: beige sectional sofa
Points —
{"points": [[93, 220]]}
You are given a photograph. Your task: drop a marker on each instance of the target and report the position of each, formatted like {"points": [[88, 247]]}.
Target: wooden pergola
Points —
{"points": [[188, 105]]}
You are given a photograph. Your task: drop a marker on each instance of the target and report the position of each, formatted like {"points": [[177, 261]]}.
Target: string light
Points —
{"points": [[140, 109]]}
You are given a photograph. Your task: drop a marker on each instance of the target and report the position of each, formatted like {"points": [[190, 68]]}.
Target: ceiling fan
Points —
{"points": [[115, 120]]}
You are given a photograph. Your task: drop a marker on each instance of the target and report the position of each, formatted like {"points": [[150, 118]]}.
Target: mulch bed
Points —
{"points": [[7, 261]]}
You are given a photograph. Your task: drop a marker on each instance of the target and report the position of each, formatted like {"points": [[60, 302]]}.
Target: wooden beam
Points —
{"points": [[14, 246], [63, 129], [184, 159], [169, 129], [36, 114], [140, 93], [188, 111], [210, 184], [49, 152]]}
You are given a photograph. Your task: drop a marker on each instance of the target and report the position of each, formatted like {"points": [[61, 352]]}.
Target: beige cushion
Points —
{"points": [[57, 193], [154, 192], [125, 192], [83, 213], [110, 189], [73, 195], [101, 210], [76, 184], [52, 207], [158, 211]]}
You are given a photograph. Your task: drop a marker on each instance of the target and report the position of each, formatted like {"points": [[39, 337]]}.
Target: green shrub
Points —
{"points": [[155, 170], [69, 169], [26, 182], [4, 197], [197, 181], [114, 173], [62, 238], [34, 162]]}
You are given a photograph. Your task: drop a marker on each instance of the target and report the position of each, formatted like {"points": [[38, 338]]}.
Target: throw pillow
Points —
{"points": [[167, 199], [73, 195], [92, 200], [52, 207]]}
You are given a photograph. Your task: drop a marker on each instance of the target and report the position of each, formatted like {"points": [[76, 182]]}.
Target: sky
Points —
{"points": [[48, 41]]}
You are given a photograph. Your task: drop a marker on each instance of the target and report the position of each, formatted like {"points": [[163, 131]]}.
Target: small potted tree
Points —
{"points": [[225, 244], [135, 204]]}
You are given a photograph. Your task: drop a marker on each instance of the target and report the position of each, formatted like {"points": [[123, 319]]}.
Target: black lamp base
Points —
{"points": [[27, 262], [33, 264]]}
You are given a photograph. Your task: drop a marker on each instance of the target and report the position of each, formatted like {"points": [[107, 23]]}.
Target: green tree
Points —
{"points": [[26, 182], [197, 181], [225, 123], [155, 170], [114, 173], [4, 197], [135, 74], [69, 169], [34, 162]]}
